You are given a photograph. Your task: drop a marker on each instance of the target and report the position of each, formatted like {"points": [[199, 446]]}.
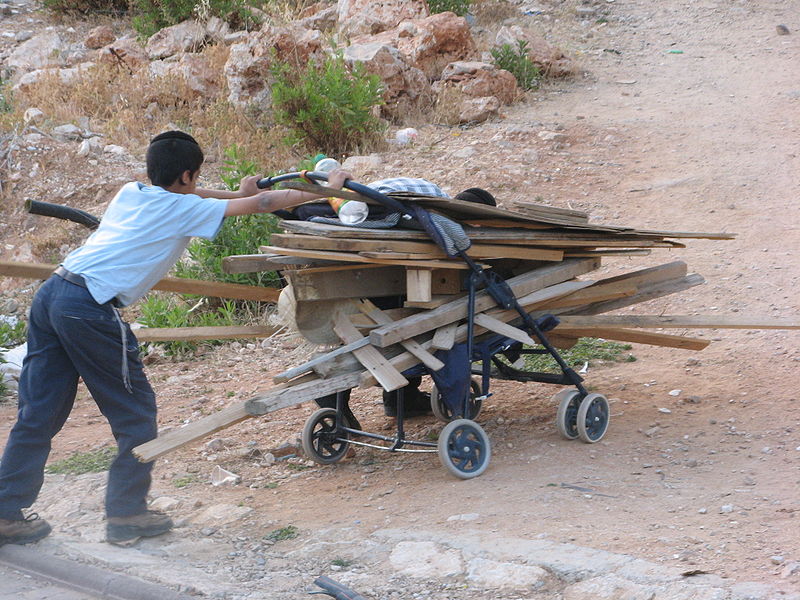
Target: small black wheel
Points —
{"points": [[320, 440], [569, 401], [464, 448], [442, 412], [593, 417]]}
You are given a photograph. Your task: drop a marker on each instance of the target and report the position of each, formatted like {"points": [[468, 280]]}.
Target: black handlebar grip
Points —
{"points": [[59, 211], [265, 183]]}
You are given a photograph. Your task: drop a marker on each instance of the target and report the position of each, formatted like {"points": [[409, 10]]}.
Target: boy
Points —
{"points": [[75, 331]]}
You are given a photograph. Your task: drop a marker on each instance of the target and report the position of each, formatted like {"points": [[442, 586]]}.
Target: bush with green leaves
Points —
{"points": [[12, 332], [86, 6], [585, 351], [94, 461], [516, 61], [460, 7], [152, 15], [327, 106]]}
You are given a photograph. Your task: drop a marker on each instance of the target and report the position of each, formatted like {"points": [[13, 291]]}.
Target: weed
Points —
{"points": [[297, 467], [587, 350], [185, 480], [5, 97], [460, 7], [342, 562], [328, 107], [12, 332], [86, 6], [517, 62], [271, 485], [95, 461], [152, 15], [284, 533]]}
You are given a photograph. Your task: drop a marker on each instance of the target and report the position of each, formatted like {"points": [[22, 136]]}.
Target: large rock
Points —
{"points": [[608, 587], [367, 17], [478, 110], [320, 16], [126, 52], [478, 80], [99, 37], [429, 44], [248, 67], [501, 575], [552, 62], [403, 85], [426, 560], [41, 51], [66, 77], [194, 70], [189, 36]]}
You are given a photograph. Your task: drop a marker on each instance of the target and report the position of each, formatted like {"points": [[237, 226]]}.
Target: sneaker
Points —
{"points": [[23, 531], [128, 530]]}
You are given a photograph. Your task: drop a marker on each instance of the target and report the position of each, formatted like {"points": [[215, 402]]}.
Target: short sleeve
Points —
{"points": [[200, 217]]}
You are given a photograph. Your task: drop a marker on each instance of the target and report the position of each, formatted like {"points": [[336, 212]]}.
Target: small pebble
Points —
{"points": [[666, 411], [776, 559]]}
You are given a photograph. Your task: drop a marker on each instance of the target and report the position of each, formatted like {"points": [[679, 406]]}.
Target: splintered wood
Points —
{"points": [[391, 297]]}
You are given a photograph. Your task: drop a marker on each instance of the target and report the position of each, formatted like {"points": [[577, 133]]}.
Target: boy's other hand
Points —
{"points": [[337, 177], [248, 187]]}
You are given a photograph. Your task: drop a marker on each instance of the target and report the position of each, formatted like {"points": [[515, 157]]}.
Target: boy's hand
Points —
{"points": [[337, 177], [248, 187]]}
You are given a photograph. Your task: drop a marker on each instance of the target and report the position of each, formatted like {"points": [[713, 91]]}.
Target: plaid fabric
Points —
{"points": [[408, 184]]}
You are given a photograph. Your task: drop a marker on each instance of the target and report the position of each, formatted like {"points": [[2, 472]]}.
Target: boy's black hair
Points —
{"points": [[478, 196], [169, 155]]}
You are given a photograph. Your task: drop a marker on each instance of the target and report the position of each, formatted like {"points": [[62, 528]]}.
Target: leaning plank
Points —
{"points": [[192, 334], [351, 257], [635, 336], [596, 293], [272, 400], [390, 378], [308, 366], [453, 311], [680, 321], [380, 317], [509, 331], [168, 284], [647, 291], [445, 337]]}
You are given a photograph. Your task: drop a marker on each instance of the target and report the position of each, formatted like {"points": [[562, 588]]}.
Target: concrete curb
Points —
{"points": [[84, 578]]}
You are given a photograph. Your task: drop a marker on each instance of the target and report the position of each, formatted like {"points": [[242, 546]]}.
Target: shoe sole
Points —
{"points": [[26, 539]]}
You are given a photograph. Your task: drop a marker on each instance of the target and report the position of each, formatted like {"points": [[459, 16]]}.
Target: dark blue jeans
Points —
{"points": [[71, 336]]}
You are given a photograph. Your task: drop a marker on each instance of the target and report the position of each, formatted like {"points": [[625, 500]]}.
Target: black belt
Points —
{"points": [[78, 280]]}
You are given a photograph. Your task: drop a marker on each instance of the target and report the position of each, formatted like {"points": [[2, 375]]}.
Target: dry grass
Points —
{"points": [[493, 12]]}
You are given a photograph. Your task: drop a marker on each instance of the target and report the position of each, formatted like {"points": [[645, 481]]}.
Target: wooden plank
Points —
{"points": [[680, 321], [350, 257], [418, 285], [622, 252], [453, 311], [436, 301], [595, 293], [167, 284], [380, 317], [191, 334], [663, 272], [635, 336], [647, 291], [445, 337], [258, 263], [308, 366], [311, 284], [504, 329], [390, 378], [284, 397]]}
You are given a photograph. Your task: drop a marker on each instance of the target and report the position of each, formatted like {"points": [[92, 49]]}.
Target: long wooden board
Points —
{"points": [[453, 311], [635, 336], [680, 321], [167, 284], [192, 334], [351, 257], [257, 263]]}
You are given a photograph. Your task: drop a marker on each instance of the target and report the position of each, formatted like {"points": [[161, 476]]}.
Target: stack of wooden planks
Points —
{"points": [[547, 256]]}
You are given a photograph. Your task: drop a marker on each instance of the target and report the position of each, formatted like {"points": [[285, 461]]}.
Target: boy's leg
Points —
{"points": [[47, 387], [92, 336]]}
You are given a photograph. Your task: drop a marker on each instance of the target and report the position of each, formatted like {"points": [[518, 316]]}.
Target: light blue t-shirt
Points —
{"points": [[142, 234]]}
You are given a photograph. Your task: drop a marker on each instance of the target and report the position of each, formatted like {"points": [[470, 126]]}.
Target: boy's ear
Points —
{"points": [[186, 177]]}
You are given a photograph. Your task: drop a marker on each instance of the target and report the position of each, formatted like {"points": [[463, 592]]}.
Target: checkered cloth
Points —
{"points": [[408, 184]]}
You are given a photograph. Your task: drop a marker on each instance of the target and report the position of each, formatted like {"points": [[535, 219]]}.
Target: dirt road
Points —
{"points": [[686, 120]]}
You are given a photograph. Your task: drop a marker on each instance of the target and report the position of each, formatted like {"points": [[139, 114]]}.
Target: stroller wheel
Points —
{"points": [[442, 412], [569, 401], [593, 417], [464, 448], [320, 440]]}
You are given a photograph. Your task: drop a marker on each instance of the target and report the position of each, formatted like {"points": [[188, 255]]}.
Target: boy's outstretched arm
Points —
{"points": [[255, 201]]}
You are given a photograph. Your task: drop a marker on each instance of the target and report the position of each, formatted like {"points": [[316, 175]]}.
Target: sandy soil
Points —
{"points": [[685, 120]]}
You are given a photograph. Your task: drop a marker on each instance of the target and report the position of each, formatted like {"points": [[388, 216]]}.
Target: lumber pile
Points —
{"points": [[547, 256]]}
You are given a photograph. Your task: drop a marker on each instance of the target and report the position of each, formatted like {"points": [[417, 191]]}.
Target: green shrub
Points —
{"points": [[95, 461], [516, 61], [152, 15], [284, 533], [86, 6], [460, 7], [12, 334], [328, 107], [162, 310], [586, 350]]}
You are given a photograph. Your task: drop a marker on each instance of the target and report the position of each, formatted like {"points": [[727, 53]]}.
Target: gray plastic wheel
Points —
{"points": [[594, 415], [464, 448], [442, 412], [569, 401], [321, 443]]}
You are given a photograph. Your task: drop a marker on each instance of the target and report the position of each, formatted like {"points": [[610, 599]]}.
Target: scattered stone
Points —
{"points": [[607, 587], [33, 116], [189, 36], [126, 51], [702, 511], [479, 80], [782, 29], [43, 50], [425, 560], [165, 503], [464, 517], [362, 164], [23, 36], [222, 514], [791, 569], [67, 133], [551, 136], [114, 149], [776, 559], [478, 110], [675, 392], [366, 17], [726, 508], [90, 147], [215, 445], [66, 77], [666, 411]]}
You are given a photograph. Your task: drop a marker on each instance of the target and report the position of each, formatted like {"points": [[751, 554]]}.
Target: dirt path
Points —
{"points": [[686, 120]]}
